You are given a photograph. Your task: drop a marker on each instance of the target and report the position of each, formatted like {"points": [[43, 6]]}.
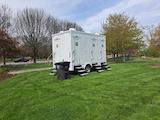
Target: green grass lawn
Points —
{"points": [[129, 91]]}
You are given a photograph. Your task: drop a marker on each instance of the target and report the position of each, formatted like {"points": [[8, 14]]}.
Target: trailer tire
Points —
{"points": [[88, 68]]}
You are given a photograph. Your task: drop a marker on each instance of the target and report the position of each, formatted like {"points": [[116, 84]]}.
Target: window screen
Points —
{"points": [[76, 43]]}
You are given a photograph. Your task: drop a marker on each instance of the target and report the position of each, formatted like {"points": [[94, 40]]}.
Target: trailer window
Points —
{"points": [[102, 45], [57, 46], [76, 43], [56, 39], [94, 45], [76, 37]]}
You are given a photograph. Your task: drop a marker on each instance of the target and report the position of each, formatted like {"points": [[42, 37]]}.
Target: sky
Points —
{"points": [[91, 14]]}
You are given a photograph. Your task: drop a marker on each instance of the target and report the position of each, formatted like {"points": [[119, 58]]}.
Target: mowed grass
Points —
{"points": [[129, 91]]}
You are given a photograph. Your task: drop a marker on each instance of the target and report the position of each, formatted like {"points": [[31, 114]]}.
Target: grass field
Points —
{"points": [[129, 91]]}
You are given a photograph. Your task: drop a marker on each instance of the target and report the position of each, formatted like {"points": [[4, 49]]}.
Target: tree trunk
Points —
{"points": [[34, 59], [124, 58], [4, 60], [34, 55], [114, 55], [117, 55]]}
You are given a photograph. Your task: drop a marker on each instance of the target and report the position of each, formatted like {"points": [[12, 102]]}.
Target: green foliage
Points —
{"points": [[152, 52], [128, 91], [154, 43], [123, 34], [8, 46]]}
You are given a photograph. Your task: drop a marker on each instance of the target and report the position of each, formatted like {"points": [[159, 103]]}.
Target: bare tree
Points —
{"points": [[31, 26], [5, 17], [55, 25], [52, 25], [66, 25]]}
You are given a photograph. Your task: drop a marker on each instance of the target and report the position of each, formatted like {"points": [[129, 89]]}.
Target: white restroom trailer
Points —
{"points": [[81, 49]]}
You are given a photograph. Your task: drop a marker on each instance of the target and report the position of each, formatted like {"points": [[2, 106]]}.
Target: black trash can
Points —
{"points": [[62, 69]]}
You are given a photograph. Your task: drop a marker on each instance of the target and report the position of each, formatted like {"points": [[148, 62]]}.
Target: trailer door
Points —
{"points": [[103, 50], [57, 49], [95, 52], [76, 50]]}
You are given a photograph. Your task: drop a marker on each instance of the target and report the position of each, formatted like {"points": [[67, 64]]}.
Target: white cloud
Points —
{"points": [[146, 11], [63, 7], [141, 9], [57, 7]]}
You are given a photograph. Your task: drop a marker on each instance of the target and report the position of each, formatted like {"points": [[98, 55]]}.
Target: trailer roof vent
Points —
{"points": [[72, 29], [97, 34]]}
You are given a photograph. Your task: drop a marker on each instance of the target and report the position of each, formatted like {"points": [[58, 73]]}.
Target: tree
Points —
{"points": [[66, 25], [154, 43], [123, 34], [44, 52], [8, 46], [31, 27], [35, 29], [55, 25], [5, 17]]}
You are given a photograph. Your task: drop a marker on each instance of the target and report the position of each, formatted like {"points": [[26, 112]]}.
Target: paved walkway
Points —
{"points": [[25, 63], [29, 70]]}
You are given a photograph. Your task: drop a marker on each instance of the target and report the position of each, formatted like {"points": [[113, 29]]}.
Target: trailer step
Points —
{"points": [[94, 64], [53, 74], [81, 71], [78, 68], [84, 74], [109, 68], [100, 71], [98, 68], [105, 65], [53, 71]]}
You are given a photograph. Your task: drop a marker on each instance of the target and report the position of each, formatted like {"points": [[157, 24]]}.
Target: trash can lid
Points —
{"points": [[63, 63]]}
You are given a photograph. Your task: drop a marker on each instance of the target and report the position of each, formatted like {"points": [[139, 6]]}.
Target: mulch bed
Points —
{"points": [[4, 75]]}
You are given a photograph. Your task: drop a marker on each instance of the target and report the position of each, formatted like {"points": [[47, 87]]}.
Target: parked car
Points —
{"points": [[23, 59]]}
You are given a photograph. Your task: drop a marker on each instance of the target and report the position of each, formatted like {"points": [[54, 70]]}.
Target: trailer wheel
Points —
{"points": [[88, 68]]}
